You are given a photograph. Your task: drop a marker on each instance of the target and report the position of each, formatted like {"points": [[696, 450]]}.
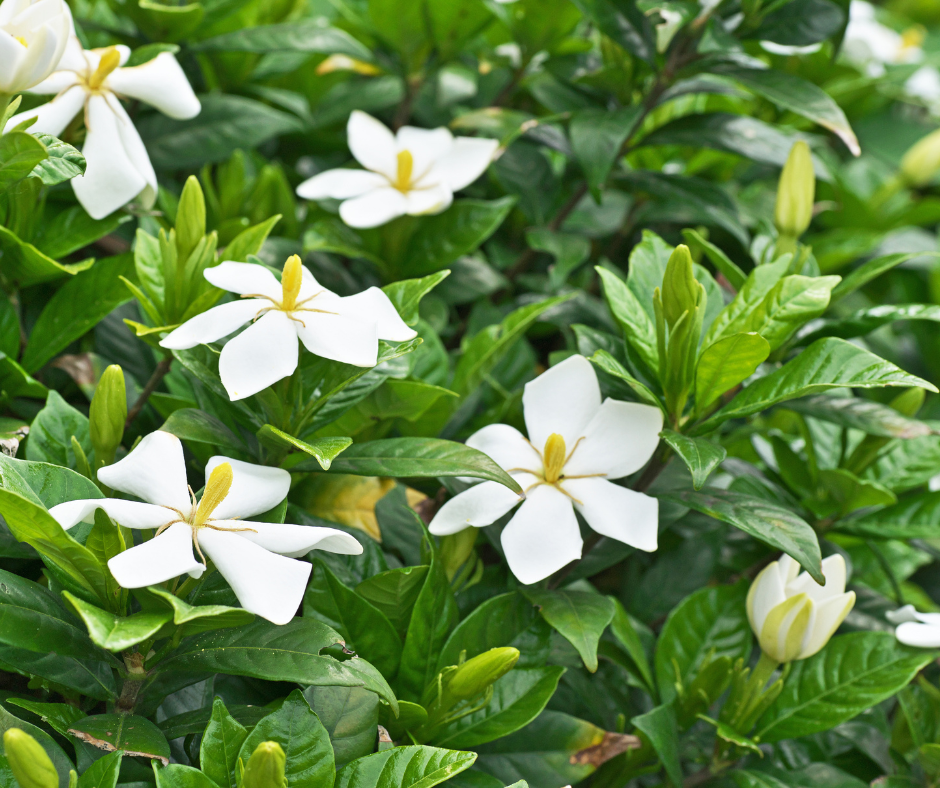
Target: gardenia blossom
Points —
{"points": [[916, 629], [576, 445], [33, 35], [870, 45], [414, 172], [256, 559], [296, 308], [118, 167]]}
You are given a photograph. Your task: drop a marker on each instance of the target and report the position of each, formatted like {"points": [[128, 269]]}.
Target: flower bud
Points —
{"points": [[475, 675], [39, 34], [107, 414], [922, 160], [190, 219], [792, 615], [795, 192], [680, 290], [30, 764], [265, 768]]}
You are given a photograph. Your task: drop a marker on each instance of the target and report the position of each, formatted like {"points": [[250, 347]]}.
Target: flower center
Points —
{"points": [[217, 487], [21, 40], [406, 164], [554, 457], [291, 278], [110, 60], [912, 38]]}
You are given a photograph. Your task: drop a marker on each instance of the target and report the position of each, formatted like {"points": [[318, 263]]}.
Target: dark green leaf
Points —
{"points": [[660, 727], [579, 616], [191, 424], [701, 456], [221, 743], [306, 35], [117, 633], [597, 137], [134, 735], [866, 415], [350, 716]]}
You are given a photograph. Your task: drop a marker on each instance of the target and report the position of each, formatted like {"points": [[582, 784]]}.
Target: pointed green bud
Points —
{"points": [[922, 160], [475, 675], [680, 290], [265, 767], [30, 764], [796, 192], [190, 219], [107, 415]]}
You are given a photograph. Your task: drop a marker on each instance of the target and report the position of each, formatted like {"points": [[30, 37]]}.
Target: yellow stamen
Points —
{"points": [[913, 37], [217, 487], [291, 278], [22, 41], [406, 164], [554, 457], [110, 60]]}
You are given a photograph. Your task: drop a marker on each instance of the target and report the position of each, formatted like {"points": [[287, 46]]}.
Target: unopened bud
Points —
{"points": [[190, 219], [680, 290], [107, 414], [795, 192], [475, 675], [30, 764], [922, 160], [265, 768]]}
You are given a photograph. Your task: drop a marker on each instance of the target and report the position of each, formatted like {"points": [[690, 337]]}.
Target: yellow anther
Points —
{"points": [[21, 40], [406, 164], [291, 278], [110, 60], [913, 37], [554, 457], [217, 487]]}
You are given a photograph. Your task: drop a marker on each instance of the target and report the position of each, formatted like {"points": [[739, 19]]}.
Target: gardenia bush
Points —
{"points": [[479, 393]]}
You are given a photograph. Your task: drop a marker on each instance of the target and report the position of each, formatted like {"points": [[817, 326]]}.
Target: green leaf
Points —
{"points": [[852, 673], [579, 616], [56, 754], [906, 464], [625, 633], [24, 264], [394, 593], [303, 738], [597, 137], [603, 360], [913, 518], [176, 775], [193, 619], [116, 633], [861, 414], [871, 269], [701, 456], [494, 624], [404, 767], [867, 320], [750, 295], [725, 364], [725, 265], [20, 152], [662, 730], [250, 240], [568, 249], [305, 35], [349, 716], [631, 317], [44, 483], [709, 624], [103, 773], [136, 736], [58, 716], [727, 734], [50, 436], [814, 775], [190, 424], [72, 230], [221, 742], [62, 163], [323, 450], [625, 23], [406, 295], [194, 722]]}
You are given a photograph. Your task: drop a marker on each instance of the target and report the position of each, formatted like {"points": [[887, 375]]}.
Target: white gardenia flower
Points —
{"points": [[33, 35], [414, 172], [296, 308], [576, 445], [916, 629], [256, 559], [118, 167], [870, 45], [924, 84], [791, 614]]}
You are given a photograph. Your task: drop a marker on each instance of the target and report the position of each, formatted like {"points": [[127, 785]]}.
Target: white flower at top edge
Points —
{"points": [[414, 172], [33, 35], [576, 445], [869, 45], [118, 167], [916, 629], [256, 559], [296, 308]]}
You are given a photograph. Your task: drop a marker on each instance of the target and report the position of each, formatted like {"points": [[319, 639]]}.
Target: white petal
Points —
{"points": [[339, 338], [309, 287], [483, 504], [765, 593], [136, 152], [833, 569], [372, 144], [561, 400], [920, 635], [130, 514], [160, 83], [260, 356], [618, 441], [340, 184], [425, 201], [13, 56], [57, 82], [155, 472], [160, 559], [266, 584], [625, 515], [902, 615], [466, 161], [111, 180], [426, 147], [373, 306], [294, 541], [255, 488], [829, 615], [374, 208], [245, 279], [52, 118], [543, 536], [507, 447], [213, 324]]}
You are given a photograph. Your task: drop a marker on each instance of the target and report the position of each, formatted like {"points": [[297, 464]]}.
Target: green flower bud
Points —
{"points": [[30, 764], [795, 192], [265, 768], [680, 290], [475, 675], [922, 160], [190, 219], [107, 414]]}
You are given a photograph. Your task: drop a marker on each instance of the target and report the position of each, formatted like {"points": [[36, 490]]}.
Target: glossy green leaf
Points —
{"points": [[394, 593], [861, 414], [56, 754], [221, 743], [495, 623], [725, 265], [117, 633], [406, 295], [867, 320], [350, 716], [323, 450], [625, 23], [726, 363], [45, 483], [300, 36], [579, 616], [58, 716], [193, 619], [134, 735], [176, 775], [50, 438], [606, 362], [404, 767], [701, 456], [917, 517], [191, 424], [62, 163], [621, 627], [870, 270], [660, 728], [597, 137], [631, 317], [103, 773], [25, 265], [20, 152]]}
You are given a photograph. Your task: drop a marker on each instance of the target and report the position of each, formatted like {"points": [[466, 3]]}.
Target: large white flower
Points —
{"points": [[33, 35], [298, 307], [576, 444], [257, 559], [118, 167], [870, 45], [414, 172], [916, 629]]}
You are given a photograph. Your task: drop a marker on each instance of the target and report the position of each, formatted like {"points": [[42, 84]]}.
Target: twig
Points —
{"points": [[509, 87], [158, 374]]}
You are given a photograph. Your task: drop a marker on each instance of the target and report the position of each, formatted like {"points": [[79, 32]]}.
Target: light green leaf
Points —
{"points": [[221, 742], [603, 360], [116, 633], [406, 295], [350, 716], [404, 767], [50, 436], [24, 264], [62, 163], [194, 619], [20, 152], [726, 363], [701, 456], [631, 317], [323, 450], [579, 616]]}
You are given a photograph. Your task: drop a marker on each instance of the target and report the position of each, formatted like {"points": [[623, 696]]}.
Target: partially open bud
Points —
{"points": [[30, 764], [107, 415], [795, 193], [265, 768], [475, 675], [922, 160]]}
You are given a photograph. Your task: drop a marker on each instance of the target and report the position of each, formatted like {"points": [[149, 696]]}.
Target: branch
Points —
{"points": [[158, 374]]}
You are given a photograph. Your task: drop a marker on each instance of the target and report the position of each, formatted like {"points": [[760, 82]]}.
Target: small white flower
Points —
{"points": [[298, 307], [791, 614], [924, 84], [33, 35], [870, 45], [118, 167], [257, 559], [576, 444], [916, 629], [414, 172]]}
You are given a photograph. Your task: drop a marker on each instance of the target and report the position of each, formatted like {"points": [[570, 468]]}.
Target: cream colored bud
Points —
{"points": [[922, 160], [30, 764], [796, 191]]}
